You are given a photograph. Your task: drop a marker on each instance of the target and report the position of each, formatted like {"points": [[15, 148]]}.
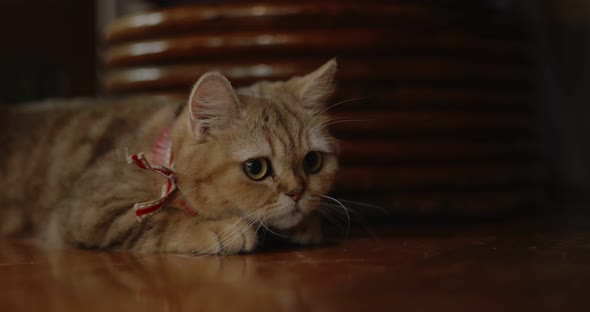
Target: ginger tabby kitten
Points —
{"points": [[256, 156]]}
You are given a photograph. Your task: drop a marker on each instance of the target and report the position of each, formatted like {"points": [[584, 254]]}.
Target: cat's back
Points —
{"points": [[62, 128], [46, 146]]}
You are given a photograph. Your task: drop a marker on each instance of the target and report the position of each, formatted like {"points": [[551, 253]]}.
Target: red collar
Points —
{"points": [[161, 155]]}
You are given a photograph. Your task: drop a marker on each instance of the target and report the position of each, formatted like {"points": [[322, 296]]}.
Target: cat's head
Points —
{"points": [[263, 152]]}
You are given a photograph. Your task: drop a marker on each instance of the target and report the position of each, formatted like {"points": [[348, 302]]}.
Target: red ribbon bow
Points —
{"points": [[145, 209], [162, 154]]}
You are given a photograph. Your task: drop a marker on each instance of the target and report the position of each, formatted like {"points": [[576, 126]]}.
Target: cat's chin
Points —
{"points": [[287, 221]]}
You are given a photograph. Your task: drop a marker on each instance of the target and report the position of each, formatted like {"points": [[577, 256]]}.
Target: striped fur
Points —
{"points": [[65, 178]]}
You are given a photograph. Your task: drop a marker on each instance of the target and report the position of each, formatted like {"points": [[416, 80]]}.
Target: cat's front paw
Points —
{"points": [[219, 237], [309, 232]]}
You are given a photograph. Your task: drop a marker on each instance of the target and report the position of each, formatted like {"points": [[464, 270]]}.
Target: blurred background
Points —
{"points": [[449, 107]]}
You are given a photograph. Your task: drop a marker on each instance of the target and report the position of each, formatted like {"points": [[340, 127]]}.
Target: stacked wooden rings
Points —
{"points": [[438, 117]]}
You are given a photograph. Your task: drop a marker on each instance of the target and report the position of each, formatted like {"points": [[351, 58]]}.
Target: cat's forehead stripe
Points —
{"points": [[251, 150], [320, 144], [282, 125], [284, 132]]}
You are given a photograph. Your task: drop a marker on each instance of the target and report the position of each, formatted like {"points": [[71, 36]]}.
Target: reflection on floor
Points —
{"points": [[529, 265]]}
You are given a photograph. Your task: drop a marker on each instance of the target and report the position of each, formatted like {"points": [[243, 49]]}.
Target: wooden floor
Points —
{"points": [[540, 264]]}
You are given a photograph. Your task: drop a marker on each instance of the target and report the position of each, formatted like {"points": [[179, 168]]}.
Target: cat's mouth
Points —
{"points": [[288, 219], [296, 211]]}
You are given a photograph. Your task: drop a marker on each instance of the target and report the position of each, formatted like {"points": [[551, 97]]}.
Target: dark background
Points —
{"points": [[50, 48]]}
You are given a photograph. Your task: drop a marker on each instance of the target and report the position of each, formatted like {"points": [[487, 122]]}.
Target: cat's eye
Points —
{"points": [[256, 169], [312, 162]]}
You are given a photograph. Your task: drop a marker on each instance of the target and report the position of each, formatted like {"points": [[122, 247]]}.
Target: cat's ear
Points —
{"points": [[313, 89], [212, 104]]}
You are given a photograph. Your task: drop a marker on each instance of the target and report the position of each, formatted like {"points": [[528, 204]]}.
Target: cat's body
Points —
{"points": [[66, 176]]}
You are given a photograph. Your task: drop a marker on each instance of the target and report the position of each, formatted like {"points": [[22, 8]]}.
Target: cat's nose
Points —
{"points": [[295, 194]]}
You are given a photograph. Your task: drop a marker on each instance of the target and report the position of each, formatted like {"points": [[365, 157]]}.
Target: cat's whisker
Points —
{"points": [[250, 216], [258, 227], [212, 241], [232, 230], [363, 222], [268, 229], [345, 210], [337, 208], [201, 249], [329, 205], [263, 234], [204, 246], [327, 124], [337, 205], [184, 194], [328, 216], [336, 215], [342, 102], [227, 232], [382, 209], [327, 120], [237, 232], [188, 192], [247, 217], [334, 105], [247, 223]]}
